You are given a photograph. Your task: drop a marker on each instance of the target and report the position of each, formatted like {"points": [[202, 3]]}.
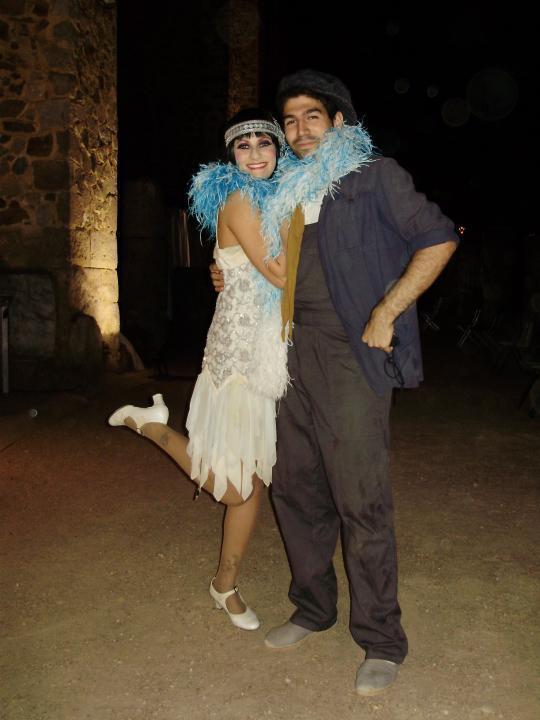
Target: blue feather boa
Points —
{"points": [[211, 186], [342, 150], [296, 181], [208, 192]]}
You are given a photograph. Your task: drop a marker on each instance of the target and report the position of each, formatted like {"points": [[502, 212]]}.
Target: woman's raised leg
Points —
{"points": [[175, 445]]}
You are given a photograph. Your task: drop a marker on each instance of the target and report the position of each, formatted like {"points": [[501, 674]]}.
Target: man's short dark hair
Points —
{"points": [[329, 105]]}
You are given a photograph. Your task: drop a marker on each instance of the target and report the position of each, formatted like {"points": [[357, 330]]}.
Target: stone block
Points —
{"points": [[18, 144], [20, 166], [32, 326], [59, 58], [12, 186], [41, 8], [53, 247], [10, 238], [53, 114], [63, 83], [48, 248], [35, 90], [62, 8], [108, 184], [80, 247], [23, 57], [65, 30], [78, 210], [11, 108], [63, 208], [103, 250], [33, 198], [7, 65], [18, 126], [108, 319], [15, 88], [13, 7], [108, 211], [40, 145], [17, 255], [91, 287], [51, 174], [13, 214], [46, 214], [62, 141]]}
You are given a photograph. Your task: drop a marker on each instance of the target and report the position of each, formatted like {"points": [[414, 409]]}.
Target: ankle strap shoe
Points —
{"points": [[246, 620], [158, 412]]}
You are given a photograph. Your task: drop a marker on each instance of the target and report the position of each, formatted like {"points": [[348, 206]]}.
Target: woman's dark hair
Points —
{"points": [[329, 105], [245, 116]]}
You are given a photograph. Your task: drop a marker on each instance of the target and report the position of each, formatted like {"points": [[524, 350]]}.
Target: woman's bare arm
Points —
{"points": [[239, 218]]}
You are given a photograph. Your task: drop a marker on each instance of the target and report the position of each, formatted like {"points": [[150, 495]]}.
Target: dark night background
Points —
{"points": [[449, 90], [393, 56]]}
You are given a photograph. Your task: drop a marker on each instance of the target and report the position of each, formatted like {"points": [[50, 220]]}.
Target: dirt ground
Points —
{"points": [[106, 565]]}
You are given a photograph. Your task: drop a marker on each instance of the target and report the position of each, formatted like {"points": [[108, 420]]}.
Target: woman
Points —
{"points": [[231, 422]]}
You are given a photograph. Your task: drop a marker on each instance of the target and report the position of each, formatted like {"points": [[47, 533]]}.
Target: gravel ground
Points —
{"points": [[106, 565]]}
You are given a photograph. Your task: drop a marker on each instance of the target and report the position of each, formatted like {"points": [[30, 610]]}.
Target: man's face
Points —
{"points": [[305, 121]]}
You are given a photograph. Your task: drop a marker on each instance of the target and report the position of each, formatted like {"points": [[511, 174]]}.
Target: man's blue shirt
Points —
{"points": [[368, 233]]}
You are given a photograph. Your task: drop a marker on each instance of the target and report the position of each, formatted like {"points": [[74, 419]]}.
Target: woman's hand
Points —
{"points": [[278, 265]]}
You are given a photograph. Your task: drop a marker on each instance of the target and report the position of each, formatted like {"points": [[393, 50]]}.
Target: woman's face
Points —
{"points": [[256, 155]]}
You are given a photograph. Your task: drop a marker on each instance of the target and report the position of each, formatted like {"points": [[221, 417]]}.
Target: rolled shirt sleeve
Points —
{"points": [[413, 217]]}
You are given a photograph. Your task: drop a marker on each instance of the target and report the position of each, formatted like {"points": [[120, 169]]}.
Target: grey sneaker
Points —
{"points": [[286, 636], [374, 676]]}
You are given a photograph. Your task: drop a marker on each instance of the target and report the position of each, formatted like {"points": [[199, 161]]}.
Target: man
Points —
{"points": [[363, 245]]}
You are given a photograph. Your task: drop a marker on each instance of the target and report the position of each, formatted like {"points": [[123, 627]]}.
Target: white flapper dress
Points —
{"points": [[231, 425]]}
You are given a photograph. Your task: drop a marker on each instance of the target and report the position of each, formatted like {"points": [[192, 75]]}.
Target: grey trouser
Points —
{"points": [[332, 474]]}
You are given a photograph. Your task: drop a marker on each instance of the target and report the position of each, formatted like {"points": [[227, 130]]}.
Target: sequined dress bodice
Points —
{"points": [[230, 340]]}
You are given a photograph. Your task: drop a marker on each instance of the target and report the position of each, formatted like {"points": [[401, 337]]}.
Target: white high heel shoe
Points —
{"points": [[246, 620], [157, 412]]}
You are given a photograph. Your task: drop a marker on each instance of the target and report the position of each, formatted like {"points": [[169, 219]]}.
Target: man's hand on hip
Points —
{"points": [[423, 269], [379, 331]]}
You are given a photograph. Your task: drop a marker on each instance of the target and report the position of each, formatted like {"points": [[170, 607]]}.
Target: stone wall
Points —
{"points": [[58, 196]]}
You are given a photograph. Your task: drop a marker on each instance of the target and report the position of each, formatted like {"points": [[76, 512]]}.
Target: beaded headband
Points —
{"points": [[254, 126]]}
